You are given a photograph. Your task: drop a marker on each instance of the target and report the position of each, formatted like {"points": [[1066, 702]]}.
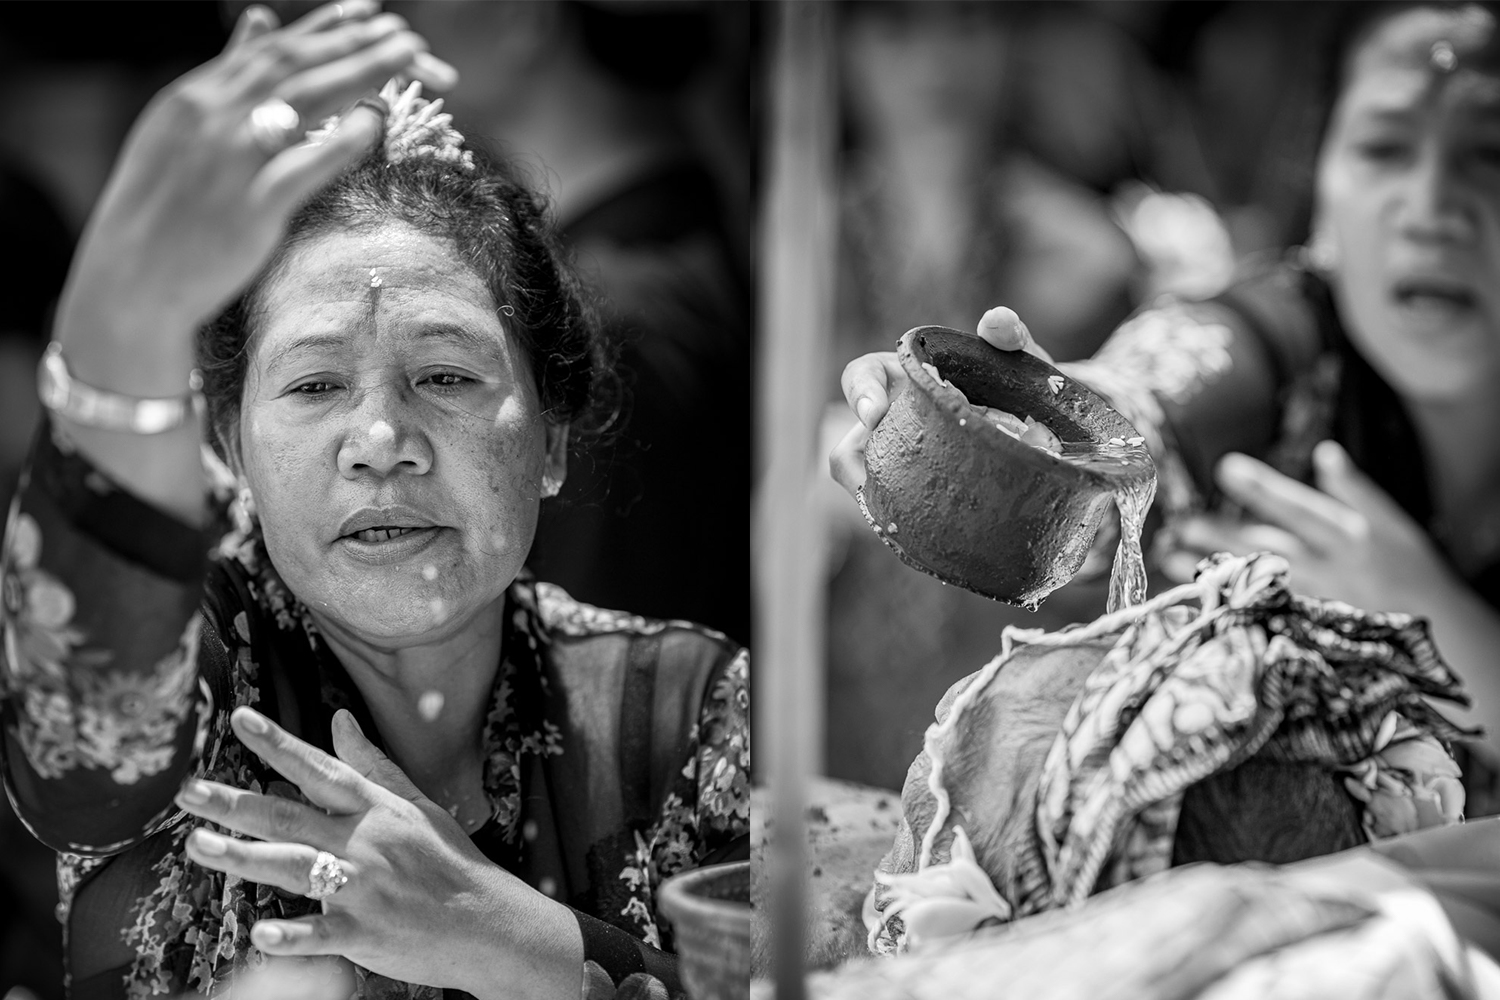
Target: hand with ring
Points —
{"points": [[216, 164], [404, 891]]}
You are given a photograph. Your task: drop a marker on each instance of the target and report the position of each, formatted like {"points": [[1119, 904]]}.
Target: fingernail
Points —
{"points": [[267, 934], [194, 793], [349, 720], [209, 843], [862, 407], [1329, 453], [1234, 465], [254, 722]]}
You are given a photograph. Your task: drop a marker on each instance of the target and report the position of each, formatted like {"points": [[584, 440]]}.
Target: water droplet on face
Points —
{"points": [[439, 610], [529, 829], [430, 705], [381, 431], [548, 885], [429, 572]]}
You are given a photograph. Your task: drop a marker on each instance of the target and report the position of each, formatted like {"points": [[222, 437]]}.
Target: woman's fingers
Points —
{"points": [[354, 749], [847, 460], [1341, 479], [325, 780], [323, 89], [1323, 523], [264, 817], [321, 934], [1205, 535], [254, 21], [286, 866], [333, 14], [1196, 537], [270, 63], [870, 383], [293, 174]]}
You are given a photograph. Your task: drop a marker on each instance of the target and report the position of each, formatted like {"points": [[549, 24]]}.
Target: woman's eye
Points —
{"points": [[1383, 151], [447, 380], [1487, 155], [314, 387]]}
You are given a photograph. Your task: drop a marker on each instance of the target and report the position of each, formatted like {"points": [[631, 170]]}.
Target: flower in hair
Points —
{"points": [[415, 128]]}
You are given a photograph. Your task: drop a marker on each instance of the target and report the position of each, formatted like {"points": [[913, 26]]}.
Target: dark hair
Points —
{"points": [[1335, 33], [1354, 24], [499, 227], [1266, 810]]}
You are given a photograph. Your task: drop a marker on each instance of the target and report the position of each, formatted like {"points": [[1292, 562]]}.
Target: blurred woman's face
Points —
{"points": [[1409, 193], [392, 436], [914, 64]]}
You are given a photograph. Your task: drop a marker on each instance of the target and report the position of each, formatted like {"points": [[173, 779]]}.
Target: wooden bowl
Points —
{"points": [[958, 498], [710, 912]]}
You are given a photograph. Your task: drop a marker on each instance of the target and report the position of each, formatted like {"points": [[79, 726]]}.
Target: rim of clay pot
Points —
{"points": [[715, 895], [912, 352]]}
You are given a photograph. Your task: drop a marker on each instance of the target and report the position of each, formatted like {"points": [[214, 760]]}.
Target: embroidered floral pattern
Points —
{"points": [[74, 712], [719, 775], [1170, 351]]}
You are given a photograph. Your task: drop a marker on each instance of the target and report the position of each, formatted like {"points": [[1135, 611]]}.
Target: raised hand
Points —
{"points": [[197, 202], [421, 903], [1346, 539]]}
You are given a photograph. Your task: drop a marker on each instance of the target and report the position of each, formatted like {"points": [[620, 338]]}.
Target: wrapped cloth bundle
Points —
{"points": [[1073, 760]]}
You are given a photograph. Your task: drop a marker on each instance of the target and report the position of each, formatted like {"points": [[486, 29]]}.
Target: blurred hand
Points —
{"points": [[194, 206], [1346, 540], [422, 904], [872, 381]]}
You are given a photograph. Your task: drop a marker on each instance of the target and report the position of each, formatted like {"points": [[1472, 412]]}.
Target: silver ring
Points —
{"points": [[274, 124], [326, 878]]}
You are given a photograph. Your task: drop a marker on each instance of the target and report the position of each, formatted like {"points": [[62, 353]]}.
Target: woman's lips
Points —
{"points": [[1433, 291], [381, 546], [382, 534]]}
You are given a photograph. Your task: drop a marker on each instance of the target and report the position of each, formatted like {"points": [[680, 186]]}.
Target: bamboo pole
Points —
{"points": [[796, 314]]}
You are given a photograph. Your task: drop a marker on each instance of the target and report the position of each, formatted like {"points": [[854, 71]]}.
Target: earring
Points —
{"points": [[1322, 251], [551, 485], [242, 510]]}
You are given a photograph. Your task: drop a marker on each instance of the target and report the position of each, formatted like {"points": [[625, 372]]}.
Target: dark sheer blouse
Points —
{"points": [[617, 746], [1265, 368]]}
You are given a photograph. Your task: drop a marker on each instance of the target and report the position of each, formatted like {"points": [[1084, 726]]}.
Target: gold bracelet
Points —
{"points": [[67, 397]]}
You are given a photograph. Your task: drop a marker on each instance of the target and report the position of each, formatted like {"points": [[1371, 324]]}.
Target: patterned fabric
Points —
{"points": [[1182, 695], [112, 702]]}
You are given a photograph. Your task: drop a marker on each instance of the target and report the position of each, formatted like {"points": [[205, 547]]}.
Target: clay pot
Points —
{"points": [[710, 912], [958, 498]]}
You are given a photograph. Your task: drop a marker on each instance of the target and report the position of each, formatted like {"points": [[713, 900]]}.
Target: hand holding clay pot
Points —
{"points": [[871, 381]]}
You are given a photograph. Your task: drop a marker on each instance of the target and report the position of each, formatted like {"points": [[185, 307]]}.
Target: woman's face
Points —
{"points": [[391, 435], [915, 65], [1409, 194]]}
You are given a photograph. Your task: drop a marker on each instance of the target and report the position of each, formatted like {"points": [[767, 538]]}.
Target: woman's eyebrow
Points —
{"points": [[306, 344], [461, 335]]}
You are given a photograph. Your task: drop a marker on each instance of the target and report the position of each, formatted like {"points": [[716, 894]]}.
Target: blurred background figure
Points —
{"points": [[1075, 160], [635, 115]]}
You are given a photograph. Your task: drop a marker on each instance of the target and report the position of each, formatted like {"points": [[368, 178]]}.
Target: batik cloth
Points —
{"points": [[1199, 679]]}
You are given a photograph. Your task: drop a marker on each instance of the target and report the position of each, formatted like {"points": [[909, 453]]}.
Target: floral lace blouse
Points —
{"points": [[617, 746]]}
